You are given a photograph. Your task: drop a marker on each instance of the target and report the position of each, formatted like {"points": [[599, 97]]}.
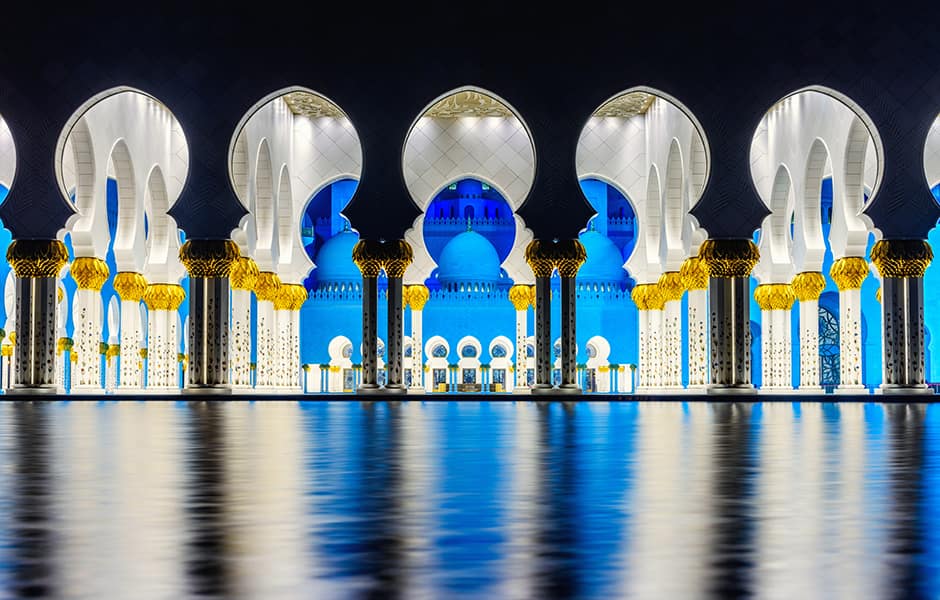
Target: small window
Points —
{"points": [[439, 351], [468, 351], [499, 351]]}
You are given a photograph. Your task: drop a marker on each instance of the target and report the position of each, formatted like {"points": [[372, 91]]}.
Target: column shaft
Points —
{"points": [[131, 335], [643, 318], [87, 318], [417, 349], [654, 345], [672, 345], [266, 357], [902, 300], [730, 329], [698, 337], [850, 339], [809, 344], [370, 302], [208, 367], [34, 361], [543, 332], [521, 368], [569, 342], [393, 346], [240, 350]]}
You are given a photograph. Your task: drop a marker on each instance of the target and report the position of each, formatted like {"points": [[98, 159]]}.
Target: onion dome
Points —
{"points": [[334, 260], [468, 257], [604, 263]]}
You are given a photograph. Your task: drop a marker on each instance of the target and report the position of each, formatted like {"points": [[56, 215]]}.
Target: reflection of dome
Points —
{"points": [[604, 262], [468, 257], [334, 260]]}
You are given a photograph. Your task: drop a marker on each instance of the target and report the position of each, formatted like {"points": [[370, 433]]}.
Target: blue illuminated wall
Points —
{"points": [[5, 239], [931, 298]]}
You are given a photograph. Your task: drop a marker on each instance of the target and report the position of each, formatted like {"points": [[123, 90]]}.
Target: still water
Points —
{"points": [[491, 500]]}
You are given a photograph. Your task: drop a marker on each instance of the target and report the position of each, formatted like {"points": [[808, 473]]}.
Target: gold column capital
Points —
{"points": [[808, 285], [112, 351], [267, 285], [569, 255], [694, 274], [848, 273], [648, 296], [33, 259], [368, 256], [520, 297], [901, 258], [244, 274], [727, 258], [670, 286], [130, 286], [164, 296], [774, 296], [290, 296], [878, 295], [209, 258], [418, 296], [540, 258], [396, 256], [89, 272]]}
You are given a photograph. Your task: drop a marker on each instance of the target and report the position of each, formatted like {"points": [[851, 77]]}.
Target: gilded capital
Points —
{"points": [[520, 297], [244, 274], [901, 258], [369, 257], [164, 296], [396, 256], [209, 258], [266, 286], [405, 296], [59, 295], [694, 274], [808, 285], [89, 272], [112, 351], [130, 286], [647, 296], [32, 259], [774, 296], [729, 258], [848, 273], [540, 258], [290, 296], [532, 295], [878, 295], [569, 255], [670, 286], [418, 296]]}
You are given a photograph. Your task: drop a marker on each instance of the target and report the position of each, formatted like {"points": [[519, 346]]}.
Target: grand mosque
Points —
{"points": [[299, 231]]}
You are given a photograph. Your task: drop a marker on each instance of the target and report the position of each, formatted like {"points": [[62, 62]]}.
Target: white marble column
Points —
{"points": [[672, 290], [848, 274], [775, 301], [163, 301], [695, 279], [521, 297], [89, 274], [290, 298], [242, 280], [130, 287], [650, 302], [418, 296], [111, 367], [266, 360], [807, 288], [62, 353]]}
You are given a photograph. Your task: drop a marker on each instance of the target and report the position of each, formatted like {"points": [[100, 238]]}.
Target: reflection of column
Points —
{"points": [[520, 296], [569, 256], [670, 286], [290, 298], [266, 289], [649, 301], [162, 300], [806, 288], [397, 256], [209, 264], [130, 287], [775, 301], [538, 255], [417, 297], [729, 263], [36, 264], [694, 275], [367, 254], [901, 264], [89, 274], [848, 273], [242, 280]]}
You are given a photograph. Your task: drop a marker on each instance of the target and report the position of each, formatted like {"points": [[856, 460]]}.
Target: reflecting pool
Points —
{"points": [[487, 500]]}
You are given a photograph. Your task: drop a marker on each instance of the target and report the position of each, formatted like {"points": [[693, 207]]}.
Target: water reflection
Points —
{"points": [[446, 500]]}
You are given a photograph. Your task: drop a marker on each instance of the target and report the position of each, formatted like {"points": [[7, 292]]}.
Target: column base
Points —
{"points": [[207, 390], [775, 390], [128, 391], [672, 390], [740, 389], [369, 389], [41, 390], [903, 390], [416, 391], [87, 390], [568, 389], [396, 389], [809, 390], [851, 390], [522, 389], [542, 389]]}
